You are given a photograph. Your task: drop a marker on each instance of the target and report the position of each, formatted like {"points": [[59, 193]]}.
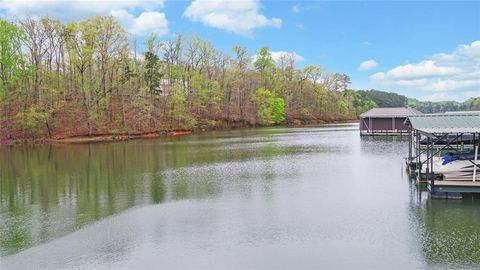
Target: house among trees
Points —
{"points": [[386, 121]]}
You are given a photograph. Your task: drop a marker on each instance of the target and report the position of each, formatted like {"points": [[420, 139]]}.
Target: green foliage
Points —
{"points": [[321, 97], [264, 62], [152, 66], [127, 72], [384, 99], [313, 72], [271, 109], [12, 65], [265, 65], [206, 94], [342, 106], [152, 74], [32, 120], [472, 104], [179, 114], [359, 102], [434, 107], [264, 112], [278, 110]]}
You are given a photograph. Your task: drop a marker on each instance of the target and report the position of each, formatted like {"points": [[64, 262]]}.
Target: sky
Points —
{"points": [[428, 50]]}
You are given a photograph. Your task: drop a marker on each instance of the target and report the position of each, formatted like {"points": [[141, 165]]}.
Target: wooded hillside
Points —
{"points": [[89, 77]]}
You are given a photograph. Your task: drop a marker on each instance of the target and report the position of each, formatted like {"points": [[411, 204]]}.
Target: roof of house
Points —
{"points": [[390, 112], [466, 122]]}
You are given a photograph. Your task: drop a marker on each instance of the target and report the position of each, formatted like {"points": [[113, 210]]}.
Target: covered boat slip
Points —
{"points": [[463, 143], [385, 121], [443, 152]]}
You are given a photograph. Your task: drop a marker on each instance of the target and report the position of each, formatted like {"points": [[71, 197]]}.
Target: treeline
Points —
{"points": [[384, 99], [366, 99], [472, 104], [89, 77]]}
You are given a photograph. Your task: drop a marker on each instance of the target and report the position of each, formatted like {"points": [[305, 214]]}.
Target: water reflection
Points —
{"points": [[448, 230], [49, 191], [452, 233], [384, 145], [312, 195]]}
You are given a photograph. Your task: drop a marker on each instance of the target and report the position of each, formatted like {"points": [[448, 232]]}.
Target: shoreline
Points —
{"points": [[98, 138]]}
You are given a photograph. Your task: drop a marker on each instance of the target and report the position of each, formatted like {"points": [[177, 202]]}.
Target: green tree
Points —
{"points": [[12, 69], [81, 43], [152, 73], [265, 65], [179, 115], [278, 110], [12, 65], [271, 109]]}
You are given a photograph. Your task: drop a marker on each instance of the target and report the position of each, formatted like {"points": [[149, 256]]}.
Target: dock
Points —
{"points": [[432, 136], [386, 121]]}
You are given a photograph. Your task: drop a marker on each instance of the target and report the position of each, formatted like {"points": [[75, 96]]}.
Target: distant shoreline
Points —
{"points": [[97, 138]]}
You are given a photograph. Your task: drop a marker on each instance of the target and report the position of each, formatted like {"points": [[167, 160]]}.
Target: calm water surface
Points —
{"points": [[277, 198]]}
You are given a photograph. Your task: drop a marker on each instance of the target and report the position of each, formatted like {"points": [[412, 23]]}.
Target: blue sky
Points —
{"points": [[423, 49]]}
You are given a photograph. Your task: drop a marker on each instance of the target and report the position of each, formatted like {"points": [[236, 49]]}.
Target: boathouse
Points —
{"points": [[386, 121], [448, 137]]}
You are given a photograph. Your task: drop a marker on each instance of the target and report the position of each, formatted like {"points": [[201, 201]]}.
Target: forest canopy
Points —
{"points": [[89, 77]]}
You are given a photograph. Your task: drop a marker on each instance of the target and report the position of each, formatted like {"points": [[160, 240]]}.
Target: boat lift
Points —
{"points": [[433, 135]]}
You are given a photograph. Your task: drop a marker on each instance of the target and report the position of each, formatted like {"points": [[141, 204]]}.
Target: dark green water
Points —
{"points": [[278, 198]]}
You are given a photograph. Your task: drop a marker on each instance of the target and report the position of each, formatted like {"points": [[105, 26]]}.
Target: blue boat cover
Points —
{"points": [[448, 158]]}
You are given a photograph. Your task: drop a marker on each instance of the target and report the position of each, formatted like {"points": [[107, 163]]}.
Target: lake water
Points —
{"points": [[272, 198]]}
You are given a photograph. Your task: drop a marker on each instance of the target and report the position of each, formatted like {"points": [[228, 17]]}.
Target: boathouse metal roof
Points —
{"points": [[390, 112], [445, 123]]}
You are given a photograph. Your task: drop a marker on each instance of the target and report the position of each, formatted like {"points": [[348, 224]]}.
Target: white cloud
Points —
{"points": [[368, 64], [458, 70], [124, 11], [277, 56], [282, 56], [235, 16], [74, 9], [428, 68], [147, 22], [150, 21], [300, 25]]}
